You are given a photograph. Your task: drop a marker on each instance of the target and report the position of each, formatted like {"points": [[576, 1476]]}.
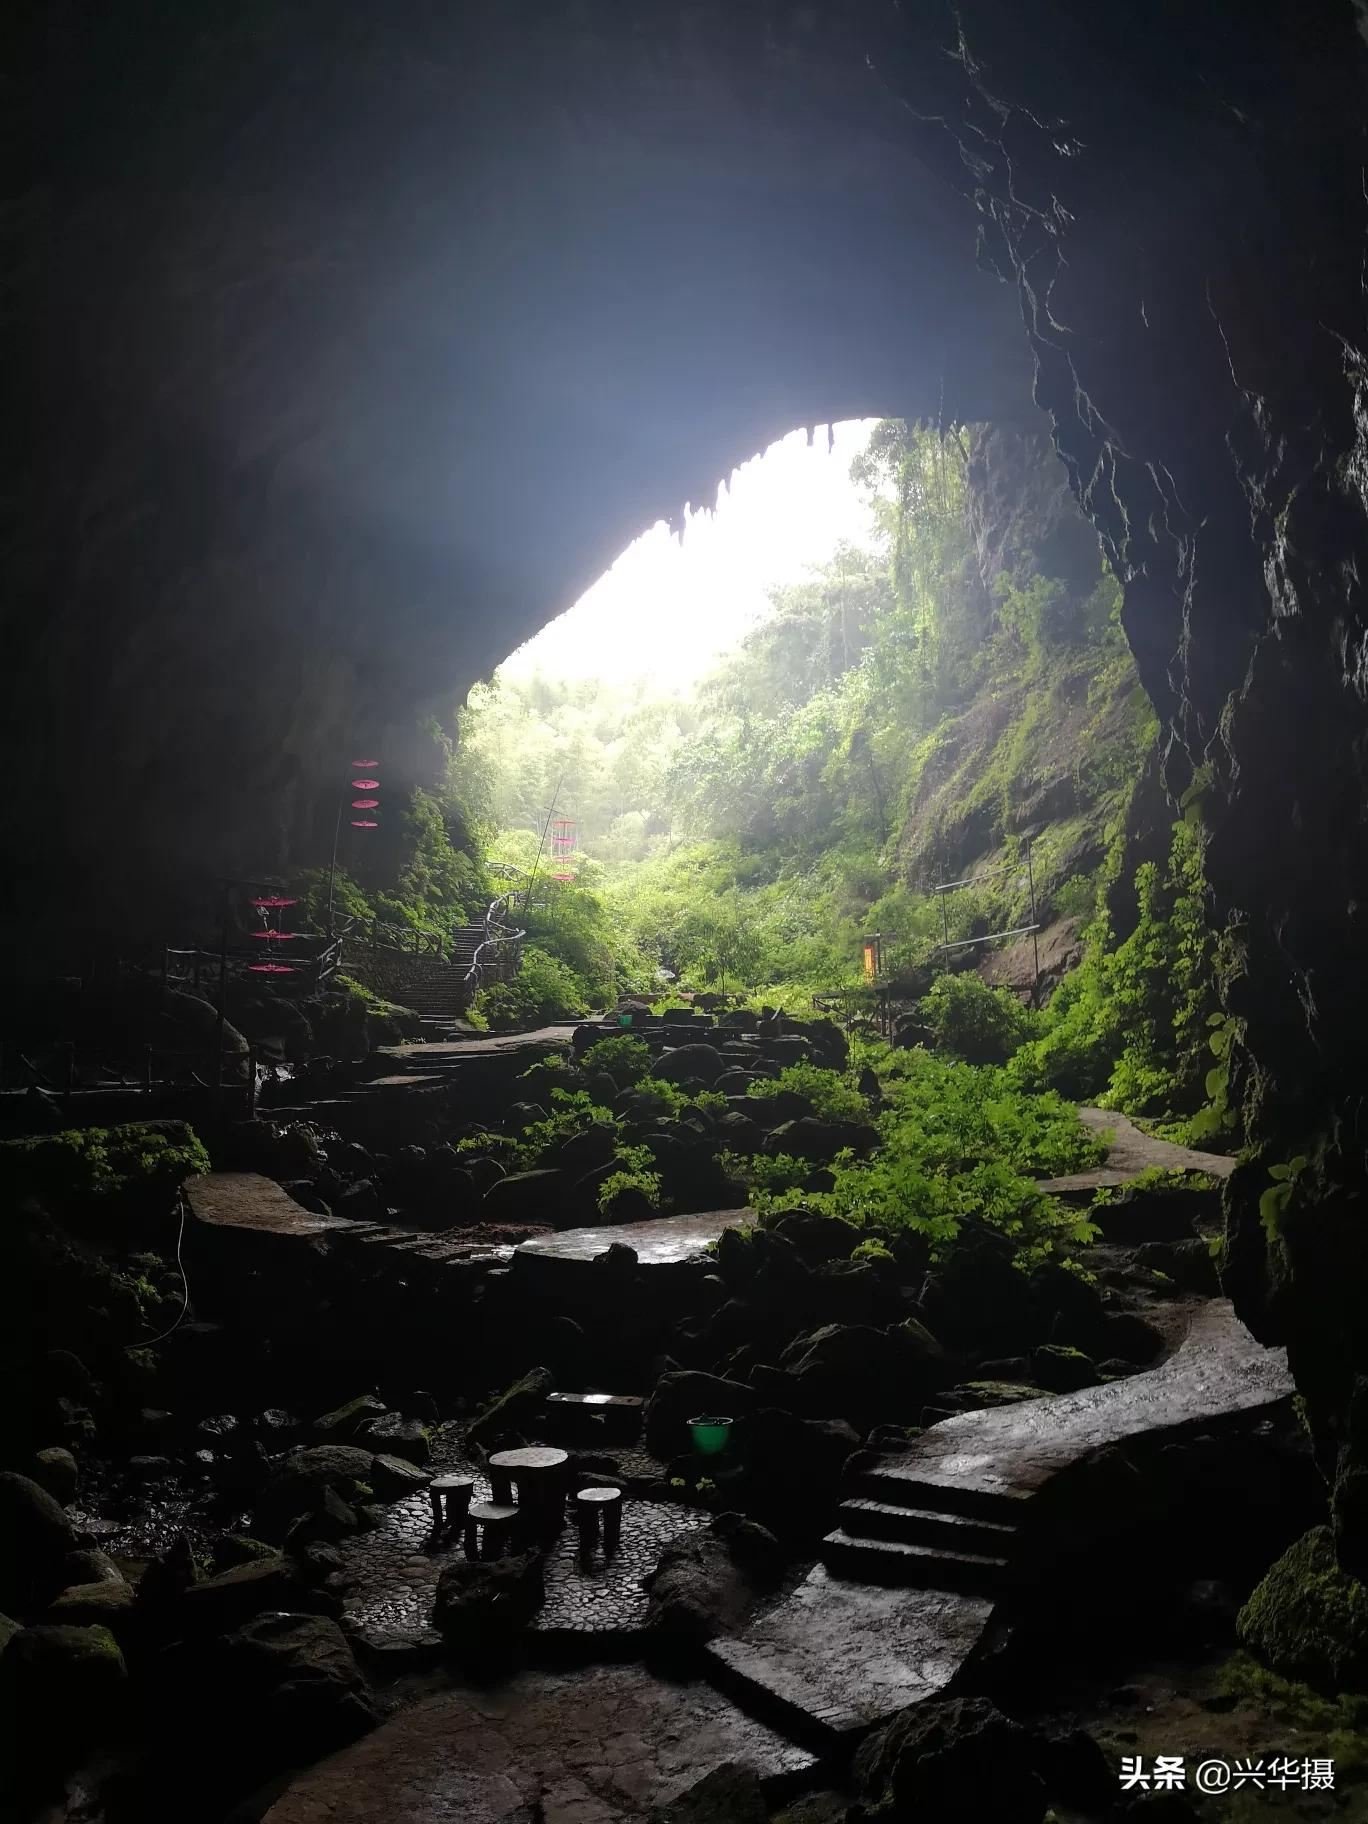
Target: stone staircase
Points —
{"points": [[924, 1533]]}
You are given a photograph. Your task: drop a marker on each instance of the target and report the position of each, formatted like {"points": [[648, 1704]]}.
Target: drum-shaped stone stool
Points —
{"points": [[497, 1518], [539, 1474], [595, 1507], [450, 1497]]}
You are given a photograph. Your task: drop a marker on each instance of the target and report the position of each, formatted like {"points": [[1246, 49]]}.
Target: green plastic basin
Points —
{"points": [[709, 1435]]}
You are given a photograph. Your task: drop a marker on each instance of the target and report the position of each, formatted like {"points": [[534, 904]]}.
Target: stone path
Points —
{"points": [[842, 1653], [397, 1566], [599, 1745], [224, 1201], [490, 1045], [1131, 1152]]}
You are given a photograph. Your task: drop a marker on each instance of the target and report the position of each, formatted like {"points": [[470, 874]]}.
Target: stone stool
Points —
{"points": [[590, 1503], [497, 1518], [539, 1473], [450, 1496]]}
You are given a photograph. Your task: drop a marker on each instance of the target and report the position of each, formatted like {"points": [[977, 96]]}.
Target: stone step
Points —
{"points": [[926, 1493], [764, 1686], [928, 1567], [867, 1519]]}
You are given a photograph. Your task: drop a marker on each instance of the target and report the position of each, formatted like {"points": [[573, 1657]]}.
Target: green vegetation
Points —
{"points": [[82, 1170], [958, 1141], [831, 1096], [980, 1024]]}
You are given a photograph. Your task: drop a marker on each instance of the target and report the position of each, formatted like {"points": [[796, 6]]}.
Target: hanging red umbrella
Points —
{"points": [[364, 823], [278, 937], [269, 969], [366, 785], [364, 804], [271, 901], [361, 763]]}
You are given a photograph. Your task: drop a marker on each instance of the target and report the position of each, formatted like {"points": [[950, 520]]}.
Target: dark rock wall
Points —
{"points": [[1177, 193], [351, 341]]}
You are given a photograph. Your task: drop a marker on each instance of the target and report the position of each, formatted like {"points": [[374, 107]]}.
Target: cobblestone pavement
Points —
{"points": [[600, 1745], [396, 1567]]}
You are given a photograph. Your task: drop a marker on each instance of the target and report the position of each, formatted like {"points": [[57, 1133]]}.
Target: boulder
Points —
{"points": [[284, 1688], [232, 1549], [1130, 1337], [699, 1588], [265, 1585], [484, 1601], [811, 1138], [679, 1397], [729, 1794], [796, 1467], [396, 1436], [739, 1133], [818, 1237], [1162, 1212], [582, 1152], [62, 1690], [704, 1062], [524, 1196], [856, 1372], [35, 1537], [1061, 1370], [91, 1567], [517, 1408], [958, 1760], [299, 1482], [394, 1477], [55, 1470], [1308, 1618], [343, 1422], [103, 1603]]}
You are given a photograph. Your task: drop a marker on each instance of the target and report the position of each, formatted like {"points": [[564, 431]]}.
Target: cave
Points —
{"points": [[349, 343]]}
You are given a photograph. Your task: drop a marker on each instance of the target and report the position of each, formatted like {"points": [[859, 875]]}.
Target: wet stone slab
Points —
{"points": [[245, 1200], [666, 1241], [396, 1568], [599, 1745]]}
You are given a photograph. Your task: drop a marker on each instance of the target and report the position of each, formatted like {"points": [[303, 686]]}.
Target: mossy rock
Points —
{"points": [[1062, 1370], [1308, 1619]]}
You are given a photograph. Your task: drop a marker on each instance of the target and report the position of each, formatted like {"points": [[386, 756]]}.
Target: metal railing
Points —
{"points": [[192, 964], [64, 1068]]}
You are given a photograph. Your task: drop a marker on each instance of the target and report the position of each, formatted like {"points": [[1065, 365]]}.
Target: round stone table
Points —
{"points": [[539, 1473]]}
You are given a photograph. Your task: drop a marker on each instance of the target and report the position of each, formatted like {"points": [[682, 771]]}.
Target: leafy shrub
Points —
{"points": [[767, 1173], [636, 1172], [980, 1024], [831, 1096], [959, 1141], [674, 1098], [623, 1056], [543, 989]]}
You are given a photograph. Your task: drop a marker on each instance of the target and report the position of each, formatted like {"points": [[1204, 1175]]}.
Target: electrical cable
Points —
{"points": [[185, 1283]]}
